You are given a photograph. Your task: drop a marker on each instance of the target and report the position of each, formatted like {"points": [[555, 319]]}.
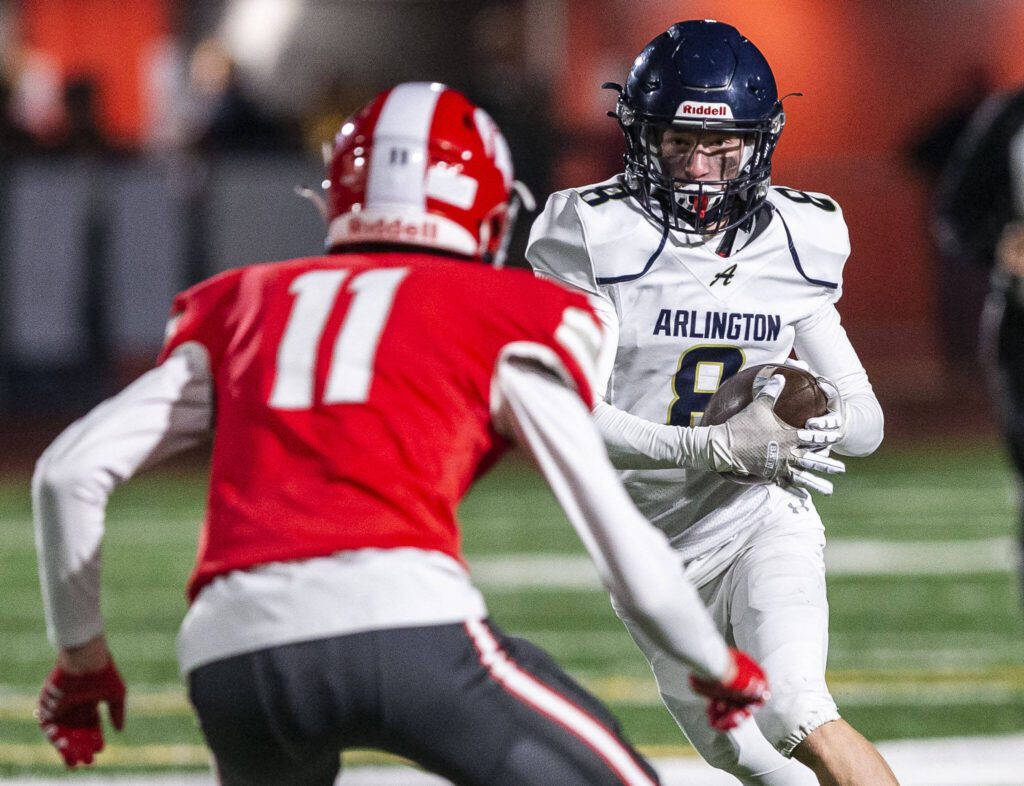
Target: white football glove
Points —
{"points": [[832, 423], [757, 443]]}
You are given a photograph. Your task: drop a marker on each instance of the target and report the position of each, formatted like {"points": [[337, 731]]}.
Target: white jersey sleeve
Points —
{"points": [[818, 237], [165, 411], [822, 342], [557, 248], [820, 244], [634, 560]]}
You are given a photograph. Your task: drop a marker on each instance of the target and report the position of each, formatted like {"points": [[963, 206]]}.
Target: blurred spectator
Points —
{"points": [[959, 290], [166, 95], [518, 99], [329, 110], [232, 120], [930, 150], [37, 100], [80, 130], [979, 218], [14, 139]]}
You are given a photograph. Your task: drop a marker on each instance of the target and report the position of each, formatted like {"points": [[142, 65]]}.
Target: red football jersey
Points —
{"points": [[353, 397]]}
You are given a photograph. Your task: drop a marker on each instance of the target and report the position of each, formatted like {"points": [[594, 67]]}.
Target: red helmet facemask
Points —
{"points": [[421, 165]]}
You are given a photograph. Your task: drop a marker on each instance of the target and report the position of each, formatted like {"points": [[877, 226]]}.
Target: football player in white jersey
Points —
{"points": [[703, 268]]}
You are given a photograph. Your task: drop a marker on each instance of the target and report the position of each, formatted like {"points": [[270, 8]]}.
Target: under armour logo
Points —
{"points": [[398, 155], [725, 276], [800, 505]]}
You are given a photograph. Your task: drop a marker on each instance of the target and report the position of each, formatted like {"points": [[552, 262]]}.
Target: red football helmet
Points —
{"points": [[420, 165]]}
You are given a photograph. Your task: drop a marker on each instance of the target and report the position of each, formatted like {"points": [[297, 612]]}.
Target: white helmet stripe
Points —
{"points": [[399, 161]]}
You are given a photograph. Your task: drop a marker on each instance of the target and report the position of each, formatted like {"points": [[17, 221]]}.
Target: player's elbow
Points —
{"points": [[58, 475], [860, 445], [52, 477]]}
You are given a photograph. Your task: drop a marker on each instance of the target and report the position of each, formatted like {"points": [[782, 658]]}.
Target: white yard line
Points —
{"points": [[978, 761], [843, 557]]}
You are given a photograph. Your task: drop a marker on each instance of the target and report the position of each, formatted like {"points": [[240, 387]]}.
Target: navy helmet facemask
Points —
{"points": [[698, 86]]}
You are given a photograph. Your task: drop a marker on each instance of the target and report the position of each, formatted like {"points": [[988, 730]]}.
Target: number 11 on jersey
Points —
{"points": [[351, 364]]}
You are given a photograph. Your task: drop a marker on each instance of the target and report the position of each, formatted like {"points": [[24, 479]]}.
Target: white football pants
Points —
{"points": [[766, 593]]}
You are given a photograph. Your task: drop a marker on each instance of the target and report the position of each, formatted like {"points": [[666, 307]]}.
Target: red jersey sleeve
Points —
{"points": [[571, 339], [201, 314], [581, 340]]}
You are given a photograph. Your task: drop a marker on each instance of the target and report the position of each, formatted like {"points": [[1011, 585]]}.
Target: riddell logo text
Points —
{"points": [[395, 229], [705, 110]]}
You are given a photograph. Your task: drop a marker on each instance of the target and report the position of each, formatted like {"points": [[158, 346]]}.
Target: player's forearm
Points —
{"points": [[164, 411], [822, 342], [68, 535], [635, 443], [864, 426]]}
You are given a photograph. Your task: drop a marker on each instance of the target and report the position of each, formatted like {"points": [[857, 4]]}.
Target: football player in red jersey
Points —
{"points": [[352, 400]]}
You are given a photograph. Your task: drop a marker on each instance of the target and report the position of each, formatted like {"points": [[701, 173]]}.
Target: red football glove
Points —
{"points": [[730, 702], [68, 711]]}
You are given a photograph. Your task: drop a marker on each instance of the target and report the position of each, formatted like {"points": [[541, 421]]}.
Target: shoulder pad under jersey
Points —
{"points": [[592, 236], [818, 237], [193, 309]]}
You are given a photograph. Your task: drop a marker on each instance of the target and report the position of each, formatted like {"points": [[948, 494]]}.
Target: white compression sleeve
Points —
{"points": [[633, 559], [822, 342], [635, 443], [165, 411]]}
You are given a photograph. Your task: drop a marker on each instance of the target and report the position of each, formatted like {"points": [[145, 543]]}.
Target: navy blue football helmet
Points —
{"points": [[699, 77]]}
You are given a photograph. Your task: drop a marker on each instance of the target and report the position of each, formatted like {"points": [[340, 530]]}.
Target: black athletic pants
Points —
{"points": [[462, 700], [1002, 342]]}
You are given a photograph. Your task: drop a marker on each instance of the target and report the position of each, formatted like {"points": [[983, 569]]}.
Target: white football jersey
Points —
{"points": [[689, 318]]}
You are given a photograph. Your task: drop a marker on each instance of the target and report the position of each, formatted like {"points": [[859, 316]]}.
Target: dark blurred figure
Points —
{"points": [[80, 132], [234, 121], [325, 114], [959, 290], [503, 82], [979, 218], [14, 139]]}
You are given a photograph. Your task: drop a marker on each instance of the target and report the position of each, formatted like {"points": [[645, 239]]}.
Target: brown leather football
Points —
{"points": [[801, 398]]}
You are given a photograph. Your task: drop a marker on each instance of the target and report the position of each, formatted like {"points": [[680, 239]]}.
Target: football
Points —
{"points": [[802, 398]]}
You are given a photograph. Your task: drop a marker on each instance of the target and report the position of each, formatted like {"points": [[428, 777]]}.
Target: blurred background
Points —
{"points": [[147, 144]]}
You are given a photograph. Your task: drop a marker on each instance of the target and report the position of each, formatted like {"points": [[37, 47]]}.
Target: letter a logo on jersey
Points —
{"points": [[725, 276]]}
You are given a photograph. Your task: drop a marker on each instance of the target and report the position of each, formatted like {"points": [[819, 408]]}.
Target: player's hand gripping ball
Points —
{"points": [[802, 398]]}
